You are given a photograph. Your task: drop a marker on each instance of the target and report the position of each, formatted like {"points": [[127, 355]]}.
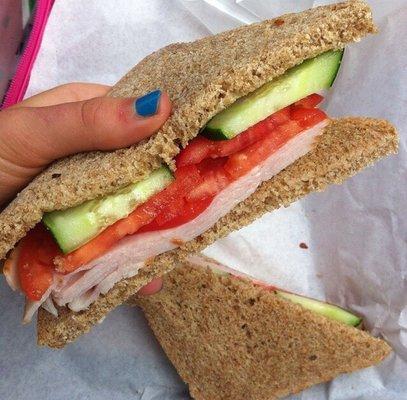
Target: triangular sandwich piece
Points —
{"points": [[231, 338]]}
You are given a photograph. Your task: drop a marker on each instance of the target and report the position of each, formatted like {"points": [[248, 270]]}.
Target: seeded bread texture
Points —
{"points": [[231, 339], [347, 146], [202, 78]]}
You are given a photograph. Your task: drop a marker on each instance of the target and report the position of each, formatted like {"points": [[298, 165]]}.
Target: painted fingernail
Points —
{"points": [[147, 105]]}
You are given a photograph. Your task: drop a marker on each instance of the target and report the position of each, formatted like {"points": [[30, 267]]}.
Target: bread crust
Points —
{"points": [[231, 339]]}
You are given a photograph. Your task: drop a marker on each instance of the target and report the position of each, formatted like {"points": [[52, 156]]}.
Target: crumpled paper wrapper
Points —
{"points": [[356, 233]]}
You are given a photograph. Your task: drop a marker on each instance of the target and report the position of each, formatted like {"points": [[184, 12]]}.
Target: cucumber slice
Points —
{"points": [[75, 226], [309, 77], [328, 310]]}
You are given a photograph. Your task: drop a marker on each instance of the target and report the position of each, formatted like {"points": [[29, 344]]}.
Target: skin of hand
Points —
{"points": [[65, 120]]}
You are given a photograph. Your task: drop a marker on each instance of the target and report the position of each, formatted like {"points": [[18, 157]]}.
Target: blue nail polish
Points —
{"points": [[147, 105]]}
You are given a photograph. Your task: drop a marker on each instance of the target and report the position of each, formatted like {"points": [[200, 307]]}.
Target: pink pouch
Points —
{"points": [[11, 33], [19, 83]]}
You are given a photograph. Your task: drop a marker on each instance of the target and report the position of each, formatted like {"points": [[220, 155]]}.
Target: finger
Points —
{"points": [[151, 288], [65, 94], [40, 135]]}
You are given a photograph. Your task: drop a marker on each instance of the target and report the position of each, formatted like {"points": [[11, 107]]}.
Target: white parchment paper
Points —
{"points": [[356, 233]]}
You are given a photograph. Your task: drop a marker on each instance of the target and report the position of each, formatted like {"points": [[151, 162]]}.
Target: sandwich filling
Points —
{"points": [[75, 255]]}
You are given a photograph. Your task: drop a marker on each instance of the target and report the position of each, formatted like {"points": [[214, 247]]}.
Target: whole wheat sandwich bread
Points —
{"points": [[230, 338], [202, 78]]}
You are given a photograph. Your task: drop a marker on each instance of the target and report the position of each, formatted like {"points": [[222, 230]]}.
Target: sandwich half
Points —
{"points": [[231, 337], [245, 137]]}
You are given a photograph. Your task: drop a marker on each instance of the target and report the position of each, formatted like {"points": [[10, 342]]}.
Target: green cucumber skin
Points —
{"points": [[328, 310], [334, 76], [75, 226], [214, 134], [311, 76]]}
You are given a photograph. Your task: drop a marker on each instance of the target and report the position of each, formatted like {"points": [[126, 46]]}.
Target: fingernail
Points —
{"points": [[147, 105]]}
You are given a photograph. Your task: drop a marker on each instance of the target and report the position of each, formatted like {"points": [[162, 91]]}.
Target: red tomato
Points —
{"points": [[280, 117], [286, 131], [211, 164], [186, 178], [242, 162], [213, 179], [172, 211], [213, 182], [197, 150], [201, 148], [307, 117], [35, 262], [310, 101], [190, 211], [238, 164], [242, 140]]}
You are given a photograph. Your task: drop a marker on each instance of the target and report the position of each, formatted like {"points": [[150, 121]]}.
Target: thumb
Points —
{"points": [[37, 136]]}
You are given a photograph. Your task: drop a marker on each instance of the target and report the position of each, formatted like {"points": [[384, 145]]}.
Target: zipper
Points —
{"points": [[19, 83]]}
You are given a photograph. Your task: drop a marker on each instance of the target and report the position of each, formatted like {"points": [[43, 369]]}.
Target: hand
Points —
{"points": [[70, 119], [66, 120]]}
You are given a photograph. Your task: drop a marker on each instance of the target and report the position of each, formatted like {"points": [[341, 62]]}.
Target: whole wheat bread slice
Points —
{"points": [[202, 78], [347, 146], [231, 339]]}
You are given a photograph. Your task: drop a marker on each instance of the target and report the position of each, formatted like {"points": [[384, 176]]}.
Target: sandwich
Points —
{"points": [[231, 337], [246, 136]]}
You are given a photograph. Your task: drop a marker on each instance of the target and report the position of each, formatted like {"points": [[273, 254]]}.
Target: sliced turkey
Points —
{"points": [[31, 307]]}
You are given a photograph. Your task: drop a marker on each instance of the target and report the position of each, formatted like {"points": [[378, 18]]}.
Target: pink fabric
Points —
{"points": [[11, 33], [20, 81]]}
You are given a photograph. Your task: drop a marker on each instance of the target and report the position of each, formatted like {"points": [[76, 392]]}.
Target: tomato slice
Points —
{"points": [[214, 179], [310, 101], [284, 133], [244, 139], [212, 184], [202, 148], [35, 262], [242, 162], [197, 150], [171, 212], [189, 212], [280, 117], [307, 117], [186, 178], [211, 164]]}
